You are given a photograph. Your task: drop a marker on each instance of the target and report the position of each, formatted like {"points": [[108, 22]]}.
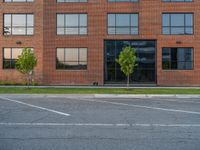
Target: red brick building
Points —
{"points": [[76, 42]]}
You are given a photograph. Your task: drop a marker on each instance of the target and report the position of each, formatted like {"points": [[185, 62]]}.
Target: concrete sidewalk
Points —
{"points": [[108, 96]]}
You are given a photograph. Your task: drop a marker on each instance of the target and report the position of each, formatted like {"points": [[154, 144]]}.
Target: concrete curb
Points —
{"points": [[146, 96], [105, 87]]}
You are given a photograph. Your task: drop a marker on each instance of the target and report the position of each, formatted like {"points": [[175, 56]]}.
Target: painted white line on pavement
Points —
{"points": [[180, 101], [34, 106], [163, 99], [172, 100], [99, 125], [180, 96], [142, 106]]}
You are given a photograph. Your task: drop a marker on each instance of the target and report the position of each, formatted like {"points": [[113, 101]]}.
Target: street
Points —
{"points": [[70, 122]]}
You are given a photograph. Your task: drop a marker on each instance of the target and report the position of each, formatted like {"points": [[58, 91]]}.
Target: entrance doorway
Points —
{"points": [[145, 70]]}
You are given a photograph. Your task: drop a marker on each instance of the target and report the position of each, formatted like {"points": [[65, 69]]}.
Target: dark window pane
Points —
{"points": [[145, 52], [177, 58], [6, 64], [166, 65]]}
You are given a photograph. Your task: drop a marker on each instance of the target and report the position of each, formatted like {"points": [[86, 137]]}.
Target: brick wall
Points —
{"points": [[35, 41], [45, 41]]}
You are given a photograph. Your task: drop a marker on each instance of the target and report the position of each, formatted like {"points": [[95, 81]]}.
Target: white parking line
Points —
{"points": [[173, 100], [99, 125], [142, 106], [34, 106]]}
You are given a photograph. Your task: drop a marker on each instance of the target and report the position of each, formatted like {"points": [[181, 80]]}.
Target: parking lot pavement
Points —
{"points": [[53, 122]]}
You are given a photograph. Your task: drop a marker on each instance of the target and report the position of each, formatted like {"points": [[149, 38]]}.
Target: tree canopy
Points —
{"points": [[127, 61], [26, 61]]}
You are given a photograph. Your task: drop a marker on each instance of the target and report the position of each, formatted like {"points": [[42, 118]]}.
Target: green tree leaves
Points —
{"points": [[127, 61], [26, 63]]}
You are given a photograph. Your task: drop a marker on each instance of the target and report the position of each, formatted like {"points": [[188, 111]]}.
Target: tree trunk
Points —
{"points": [[28, 81], [128, 81]]}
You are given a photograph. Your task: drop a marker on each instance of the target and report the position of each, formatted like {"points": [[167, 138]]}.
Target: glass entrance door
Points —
{"points": [[145, 70]]}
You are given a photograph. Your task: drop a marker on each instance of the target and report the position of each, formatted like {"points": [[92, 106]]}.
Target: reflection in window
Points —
{"points": [[177, 0], [18, 1], [145, 52], [177, 58], [71, 1], [71, 58], [177, 24], [123, 0], [71, 24], [18, 24], [123, 24], [10, 56]]}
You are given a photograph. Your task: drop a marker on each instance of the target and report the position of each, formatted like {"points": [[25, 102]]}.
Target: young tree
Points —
{"points": [[127, 62], [26, 63]]}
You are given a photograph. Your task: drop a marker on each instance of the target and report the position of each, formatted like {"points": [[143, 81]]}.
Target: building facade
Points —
{"points": [[76, 42]]}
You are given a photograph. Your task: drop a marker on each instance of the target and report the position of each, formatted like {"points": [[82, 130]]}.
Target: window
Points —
{"points": [[123, 24], [71, 24], [71, 58], [18, 0], [18, 24], [71, 1], [177, 24], [10, 56], [177, 58], [177, 0], [144, 71], [123, 0]]}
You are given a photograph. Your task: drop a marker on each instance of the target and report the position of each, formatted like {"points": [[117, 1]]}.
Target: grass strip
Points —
{"points": [[22, 90]]}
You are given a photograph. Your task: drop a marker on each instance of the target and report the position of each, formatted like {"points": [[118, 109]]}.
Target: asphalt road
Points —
{"points": [[51, 122]]}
